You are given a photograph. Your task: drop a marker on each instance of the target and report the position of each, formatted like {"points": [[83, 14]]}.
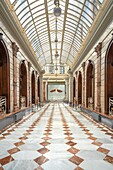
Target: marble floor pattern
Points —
{"points": [[56, 138]]}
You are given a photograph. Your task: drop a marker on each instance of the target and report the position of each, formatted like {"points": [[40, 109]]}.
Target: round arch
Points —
{"points": [[4, 74], [80, 88], [33, 87], [23, 84], [90, 85], [108, 76]]}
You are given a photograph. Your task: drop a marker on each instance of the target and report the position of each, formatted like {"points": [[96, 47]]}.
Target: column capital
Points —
{"points": [[98, 49], [15, 49], [83, 66], [41, 73]]}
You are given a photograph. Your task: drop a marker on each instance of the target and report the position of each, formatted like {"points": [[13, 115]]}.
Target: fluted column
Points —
{"points": [[15, 50], [98, 51], [83, 95]]}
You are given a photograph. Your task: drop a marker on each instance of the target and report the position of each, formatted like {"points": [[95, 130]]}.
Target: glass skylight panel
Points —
{"points": [[89, 11], [75, 8], [41, 25], [26, 21], [41, 31], [31, 32], [27, 26], [71, 27], [38, 17], [71, 58], [36, 3], [88, 17], [72, 17], [44, 41], [34, 10], [64, 53], [23, 13], [38, 13], [21, 7]]}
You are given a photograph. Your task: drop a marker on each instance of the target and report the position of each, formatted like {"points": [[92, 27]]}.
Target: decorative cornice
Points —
{"points": [[10, 20]]}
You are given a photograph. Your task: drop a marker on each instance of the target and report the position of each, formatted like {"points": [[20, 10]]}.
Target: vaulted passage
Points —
{"points": [[56, 137]]}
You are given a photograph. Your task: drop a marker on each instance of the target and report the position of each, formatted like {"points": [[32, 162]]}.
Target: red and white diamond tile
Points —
{"points": [[56, 138]]}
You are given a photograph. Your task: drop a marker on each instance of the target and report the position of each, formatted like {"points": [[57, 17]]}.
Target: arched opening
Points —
{"points": [[33, 87], [80, 88], [23, 85], [39, 89], [73, 89], [109, 78], [4, 78], [90, 86]]}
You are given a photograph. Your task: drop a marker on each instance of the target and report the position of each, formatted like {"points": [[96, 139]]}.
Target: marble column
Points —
{"points": [[41, 85], [15, 50], [98, 51], [83, 95], [67, 90]]}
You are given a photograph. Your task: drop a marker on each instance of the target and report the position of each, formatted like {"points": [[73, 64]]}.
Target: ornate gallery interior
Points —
{"points": [[56, 84]]}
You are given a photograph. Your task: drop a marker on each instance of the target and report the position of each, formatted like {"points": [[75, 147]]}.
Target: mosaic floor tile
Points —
{"points": [[56, 138]]}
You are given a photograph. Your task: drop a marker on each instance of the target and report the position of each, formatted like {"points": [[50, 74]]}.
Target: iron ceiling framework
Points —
{"points": [[38, 21]]}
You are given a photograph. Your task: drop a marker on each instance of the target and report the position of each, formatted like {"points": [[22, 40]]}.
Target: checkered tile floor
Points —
{"points": [[56, 138]]}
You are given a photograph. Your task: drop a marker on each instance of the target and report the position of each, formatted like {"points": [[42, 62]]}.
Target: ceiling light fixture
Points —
{"points": [[57, 9]]}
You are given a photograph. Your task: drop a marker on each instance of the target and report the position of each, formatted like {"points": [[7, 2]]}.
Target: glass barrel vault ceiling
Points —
{"points": [[38, 21]]}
